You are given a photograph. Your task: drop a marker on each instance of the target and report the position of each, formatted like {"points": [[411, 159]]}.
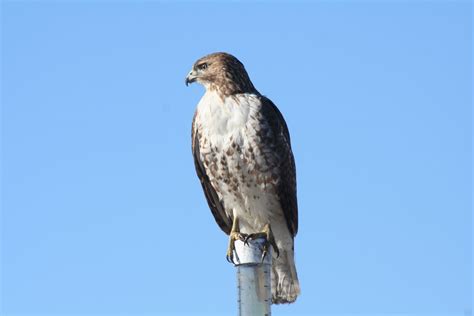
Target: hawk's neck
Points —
{"points": [[219, 115]]}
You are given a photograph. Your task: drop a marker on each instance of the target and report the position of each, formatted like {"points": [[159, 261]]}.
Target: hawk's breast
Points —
{"points": [[239, 162]]}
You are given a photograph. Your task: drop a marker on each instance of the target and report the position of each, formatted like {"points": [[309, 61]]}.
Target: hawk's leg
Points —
{"points": [[233, 236], [269, 240]]}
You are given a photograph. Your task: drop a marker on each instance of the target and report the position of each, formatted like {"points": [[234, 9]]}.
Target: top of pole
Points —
{"points": [[250, 253]]}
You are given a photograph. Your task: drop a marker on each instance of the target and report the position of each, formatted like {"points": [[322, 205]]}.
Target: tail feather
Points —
{"points": [[285, 284]]}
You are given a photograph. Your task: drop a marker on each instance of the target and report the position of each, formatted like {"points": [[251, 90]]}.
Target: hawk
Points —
{"points": [[243, 158]]}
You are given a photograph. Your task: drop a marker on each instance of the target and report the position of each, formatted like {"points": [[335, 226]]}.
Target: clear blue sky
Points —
{"points": [[102, 212]]}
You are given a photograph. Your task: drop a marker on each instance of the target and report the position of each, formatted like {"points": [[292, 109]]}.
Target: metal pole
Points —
{"points": [[253, 278]]}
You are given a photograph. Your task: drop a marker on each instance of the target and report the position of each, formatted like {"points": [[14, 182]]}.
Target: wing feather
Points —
{"points": [[286, 187], [215, 204]]}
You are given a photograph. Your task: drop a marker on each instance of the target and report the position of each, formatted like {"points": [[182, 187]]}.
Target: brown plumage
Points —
{"points": [[224, 73], [243, 158]]}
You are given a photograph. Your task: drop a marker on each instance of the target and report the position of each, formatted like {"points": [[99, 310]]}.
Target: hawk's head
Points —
{"points": [[222, 72]]}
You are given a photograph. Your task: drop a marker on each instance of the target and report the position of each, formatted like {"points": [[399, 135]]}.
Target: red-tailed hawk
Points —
{"points": [[242, 153]]}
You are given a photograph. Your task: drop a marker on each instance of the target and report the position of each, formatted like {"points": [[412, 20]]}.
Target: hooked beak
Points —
{"points": [[191, 77]]}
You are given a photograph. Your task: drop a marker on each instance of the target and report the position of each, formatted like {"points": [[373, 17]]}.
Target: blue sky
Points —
{"points": [[102, 212]]}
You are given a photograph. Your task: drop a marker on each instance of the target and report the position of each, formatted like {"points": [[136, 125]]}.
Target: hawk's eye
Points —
{"points": [[202, 66]]}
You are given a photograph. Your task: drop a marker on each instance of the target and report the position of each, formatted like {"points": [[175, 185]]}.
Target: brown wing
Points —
{"points": [[281, 144], [217, 209]]}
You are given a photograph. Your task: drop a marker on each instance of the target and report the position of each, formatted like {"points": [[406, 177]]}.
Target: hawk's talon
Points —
{"points": [[267, 234], [235, 234], [254, 236], [247, 238], [264, 254], [277, 252], [242, 237]]}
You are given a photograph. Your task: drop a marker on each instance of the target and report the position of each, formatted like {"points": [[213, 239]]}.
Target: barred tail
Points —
{"points": [[285, 285]]}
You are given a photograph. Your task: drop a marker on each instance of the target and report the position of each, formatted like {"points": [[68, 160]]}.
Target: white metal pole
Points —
{"points": [[253, 277]]}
